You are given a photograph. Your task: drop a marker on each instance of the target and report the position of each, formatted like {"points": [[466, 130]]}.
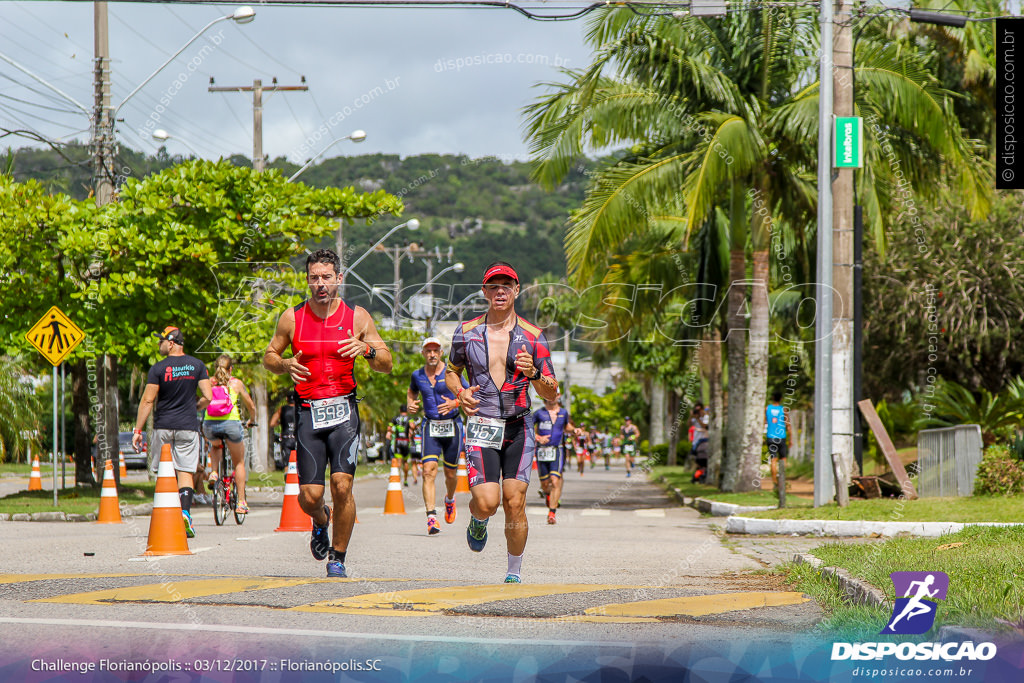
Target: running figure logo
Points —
{"points": [[916, 592]]}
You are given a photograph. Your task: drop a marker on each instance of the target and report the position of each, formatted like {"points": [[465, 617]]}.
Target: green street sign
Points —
{"points": [[849, 137]]}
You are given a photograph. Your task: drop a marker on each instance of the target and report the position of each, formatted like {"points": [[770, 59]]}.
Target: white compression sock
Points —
{"points": [[515, 564]]}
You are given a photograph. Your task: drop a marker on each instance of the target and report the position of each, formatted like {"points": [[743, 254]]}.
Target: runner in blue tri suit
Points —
{"points": [[503, 355], [442, 432], [551, 423], [777, 433]]}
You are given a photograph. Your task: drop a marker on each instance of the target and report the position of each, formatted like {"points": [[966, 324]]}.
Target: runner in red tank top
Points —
{"points": [[326, 337]]}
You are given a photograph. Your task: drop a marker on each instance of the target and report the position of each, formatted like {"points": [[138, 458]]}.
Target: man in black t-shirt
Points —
{"points": [[173, 384]]}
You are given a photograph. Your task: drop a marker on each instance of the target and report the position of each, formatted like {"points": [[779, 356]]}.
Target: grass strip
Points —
{"points": [[971, 509], [984, 565], [679, 478], [79, 501]]}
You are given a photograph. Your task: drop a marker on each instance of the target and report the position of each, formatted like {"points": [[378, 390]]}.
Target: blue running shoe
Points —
{"points": [[187, 518], [476, 535], [513, 578], [336, 570], [320, 540]]}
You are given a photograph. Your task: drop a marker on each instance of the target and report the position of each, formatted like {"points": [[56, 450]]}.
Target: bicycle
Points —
{"points": [[225, 490]]}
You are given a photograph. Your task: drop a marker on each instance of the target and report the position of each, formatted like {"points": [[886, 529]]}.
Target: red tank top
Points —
{"points": [[317, 339]]}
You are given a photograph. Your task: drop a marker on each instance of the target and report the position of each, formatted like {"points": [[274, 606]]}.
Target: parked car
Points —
{"points": [[132, 459]]}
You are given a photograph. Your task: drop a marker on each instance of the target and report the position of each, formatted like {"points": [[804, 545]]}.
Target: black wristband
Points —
{"points": [[536, 377], [371, 353]]}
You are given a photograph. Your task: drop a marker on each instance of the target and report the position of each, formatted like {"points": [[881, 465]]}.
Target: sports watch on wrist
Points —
{"points": [[371, 353]]}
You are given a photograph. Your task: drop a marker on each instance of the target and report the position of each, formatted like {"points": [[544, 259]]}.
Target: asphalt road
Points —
{"points": [[626, 581]]}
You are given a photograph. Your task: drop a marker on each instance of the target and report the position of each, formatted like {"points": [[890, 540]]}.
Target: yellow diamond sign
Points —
{"points": [[55, 336]]}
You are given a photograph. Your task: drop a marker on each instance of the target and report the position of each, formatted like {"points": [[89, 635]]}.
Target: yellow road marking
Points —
{"points": [[22, 578], [176, 591], [691, 606], [426, 601]]}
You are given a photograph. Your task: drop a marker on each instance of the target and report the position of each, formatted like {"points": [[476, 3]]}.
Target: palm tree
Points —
{"points": [[723, 113], [21, 409]]}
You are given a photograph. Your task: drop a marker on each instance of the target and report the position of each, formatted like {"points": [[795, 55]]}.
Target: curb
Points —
{"points": [[856, 591], [719, 509], [823, 527]]}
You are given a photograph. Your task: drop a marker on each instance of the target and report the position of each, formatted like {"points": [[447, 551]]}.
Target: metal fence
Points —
{"points": [[947, 460]]}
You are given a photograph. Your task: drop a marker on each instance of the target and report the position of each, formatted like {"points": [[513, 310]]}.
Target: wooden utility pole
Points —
{"points": [[261, 436], [102, 148], [257, 89]]}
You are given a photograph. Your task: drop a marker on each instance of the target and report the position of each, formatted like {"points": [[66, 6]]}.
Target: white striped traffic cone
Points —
{"points": [[463, 478], [110, 509], [393, 503], [166, 530], [35, 481], [292, 516]]}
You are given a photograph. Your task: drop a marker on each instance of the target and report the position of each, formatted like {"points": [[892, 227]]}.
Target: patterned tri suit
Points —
{"points": [[400, 435], [551, 456], [512, 444], [442, 433], [327, 419]]}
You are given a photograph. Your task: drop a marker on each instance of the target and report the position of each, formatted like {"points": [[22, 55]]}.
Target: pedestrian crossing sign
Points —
{"points": [[55, 336]]}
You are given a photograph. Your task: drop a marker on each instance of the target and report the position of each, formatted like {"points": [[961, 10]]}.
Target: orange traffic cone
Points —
{"points": [[166, 529], [292, 516], [124, 471], [35, 482], [393, 503], [110, 509], [463, 479]]}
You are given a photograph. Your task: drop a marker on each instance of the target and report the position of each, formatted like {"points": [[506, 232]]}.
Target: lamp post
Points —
{"points": [[354, 136], [457, 267], [339, 238], [412, 224], [161, 135]]}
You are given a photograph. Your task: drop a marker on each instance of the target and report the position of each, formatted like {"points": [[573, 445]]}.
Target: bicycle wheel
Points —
{"points": [[220, 503], [239, 516]]}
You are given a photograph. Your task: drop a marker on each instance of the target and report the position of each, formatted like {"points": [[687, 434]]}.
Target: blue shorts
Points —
{"points": [[446, 448], [230, 430], [551, 467]]}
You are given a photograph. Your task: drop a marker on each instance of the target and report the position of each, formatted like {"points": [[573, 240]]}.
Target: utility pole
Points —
{"points": [[102, 148], [257, 89], [396, 253], [823, 488], [842, 243], [261, 437]]}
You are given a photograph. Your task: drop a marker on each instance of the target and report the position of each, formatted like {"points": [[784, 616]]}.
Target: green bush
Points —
{"points": [[998, 473]]}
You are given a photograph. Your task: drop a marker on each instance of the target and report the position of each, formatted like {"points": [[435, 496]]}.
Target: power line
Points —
{"points": [[41, 106]]}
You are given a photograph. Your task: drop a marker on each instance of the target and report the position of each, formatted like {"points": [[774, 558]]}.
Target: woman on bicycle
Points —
{"points": [[223, 423]]}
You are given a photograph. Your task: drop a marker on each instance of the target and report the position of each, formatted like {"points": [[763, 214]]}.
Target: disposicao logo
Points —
{"points": [[913, 613]]}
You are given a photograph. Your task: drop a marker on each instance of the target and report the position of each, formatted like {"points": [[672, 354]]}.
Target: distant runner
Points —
{"points": [[503, 355], [777, 433], [630, 438], [551, 425], [442, 431], [398, 434], [326, 336]]}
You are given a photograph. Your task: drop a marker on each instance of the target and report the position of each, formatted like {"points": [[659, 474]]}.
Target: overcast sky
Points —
{"points": [[416, 80]]}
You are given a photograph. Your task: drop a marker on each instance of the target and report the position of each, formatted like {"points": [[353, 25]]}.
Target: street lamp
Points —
{"points": [[161, 135], [458, 267], [242, 15], [354, 136], [412, 224]]}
